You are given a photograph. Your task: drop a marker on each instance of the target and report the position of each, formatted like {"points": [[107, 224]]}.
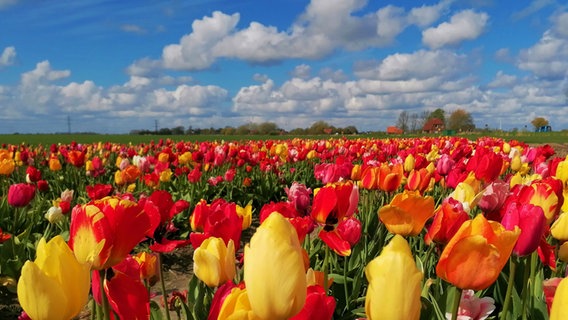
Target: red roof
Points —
{"points": [[394, 130], [433, 124]]}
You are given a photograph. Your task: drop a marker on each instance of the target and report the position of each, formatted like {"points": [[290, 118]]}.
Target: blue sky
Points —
{"points": [[115, 66]]}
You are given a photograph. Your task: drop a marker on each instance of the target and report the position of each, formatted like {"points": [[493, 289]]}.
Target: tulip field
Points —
{"points": [[303, 228]]}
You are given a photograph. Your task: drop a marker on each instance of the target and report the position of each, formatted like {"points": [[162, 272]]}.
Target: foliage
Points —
{"points": [[538, 122], [461, 120]]}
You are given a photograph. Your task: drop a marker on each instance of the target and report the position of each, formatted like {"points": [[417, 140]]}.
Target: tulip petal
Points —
{"points": [[40, 295]]}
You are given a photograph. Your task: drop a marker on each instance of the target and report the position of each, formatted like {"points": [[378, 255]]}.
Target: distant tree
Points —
{"points": [[460, 120], [319, 127], [350, 130], [179, 130], [415, 122], [402, 122], [539, 122], [228, 131], [165, 131], [268, 128], [438, 114], [298, 131]]}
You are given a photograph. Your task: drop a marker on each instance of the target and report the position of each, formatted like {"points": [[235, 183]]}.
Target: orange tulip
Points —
{"points": [[479, 245], [390, 177], [407, 213]]}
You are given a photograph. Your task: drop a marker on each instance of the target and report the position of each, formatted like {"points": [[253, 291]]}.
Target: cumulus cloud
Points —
{"points": [[502, 80], [546, 59], [560, 24], [8, 57], [324, 27], [464, 25], [422, 64], [302, 71]]}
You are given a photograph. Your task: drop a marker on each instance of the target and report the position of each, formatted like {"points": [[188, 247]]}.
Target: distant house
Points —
{"points": [[394, 130], [433, 125]]}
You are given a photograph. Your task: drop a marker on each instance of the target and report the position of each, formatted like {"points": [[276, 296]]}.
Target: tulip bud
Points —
{"points": [[396, 270], [213, 262], [274, 253]]}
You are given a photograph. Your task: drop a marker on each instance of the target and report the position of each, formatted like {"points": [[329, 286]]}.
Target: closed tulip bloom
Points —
{"points": [[21, 194], [559, 309], [559, 228], [409, 163], [274, 270], [532, 222], [390, 177], [394, 283], [214, 262], [236, 306], [7, 166], [55, 285], [479, 244], [407, 213]]}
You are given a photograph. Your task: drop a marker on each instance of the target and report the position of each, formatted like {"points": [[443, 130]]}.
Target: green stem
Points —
{"points": [[325, 268], [510, 284], [456, 303], [163, 285], [345, 291], [104, 300], [527, 286], [93, 309], [534, 262]]}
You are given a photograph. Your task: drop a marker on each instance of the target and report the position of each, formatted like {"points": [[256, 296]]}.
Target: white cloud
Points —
{"points": [[132, 28], [324, 26], [42, 74], [464, 25], [194, 52], [422, 64], [7, 3], [302, 71], [560, 24], [8, 57], [533, 7], [546, 59], [502, 80]]}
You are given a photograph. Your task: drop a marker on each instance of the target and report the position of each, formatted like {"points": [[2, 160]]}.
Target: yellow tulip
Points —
{"points": [[236, 306], [409, 163], [516, 163], [55, 285], [559, 309], [559, 228], [394, 283], [245, 213], [214, 262], [274, 270]]}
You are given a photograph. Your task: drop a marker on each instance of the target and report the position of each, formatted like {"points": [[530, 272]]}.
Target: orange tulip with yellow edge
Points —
{"points": [[55, 285], [274, 271], [407, 213], [394, 283], [476, 254]]}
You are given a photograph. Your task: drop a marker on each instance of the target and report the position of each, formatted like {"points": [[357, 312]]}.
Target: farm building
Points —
{"points": [[433, 125]]}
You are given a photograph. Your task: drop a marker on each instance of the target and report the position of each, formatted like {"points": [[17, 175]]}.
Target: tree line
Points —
{"points": [[263, 128]]}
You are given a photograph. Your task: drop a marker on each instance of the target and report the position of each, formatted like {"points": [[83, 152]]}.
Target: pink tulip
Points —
{"points": [[20, 194], [531, 221], [474, 308]]}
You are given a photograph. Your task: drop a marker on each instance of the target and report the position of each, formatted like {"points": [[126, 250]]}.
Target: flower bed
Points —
{"points": [[423, 228]]}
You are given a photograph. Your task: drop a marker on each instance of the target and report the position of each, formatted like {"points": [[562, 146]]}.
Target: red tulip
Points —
{"points": [[20, 194], [448, 218], [318, 306], [532, 222], [103, 232]]}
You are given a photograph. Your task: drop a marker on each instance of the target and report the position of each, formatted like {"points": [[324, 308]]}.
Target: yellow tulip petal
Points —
{"points": [[41, 296]]}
